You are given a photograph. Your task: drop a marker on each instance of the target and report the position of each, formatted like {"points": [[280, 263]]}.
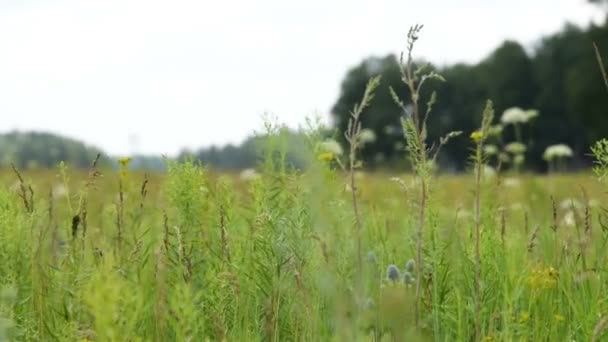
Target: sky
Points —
{"points": [[154, 77]]}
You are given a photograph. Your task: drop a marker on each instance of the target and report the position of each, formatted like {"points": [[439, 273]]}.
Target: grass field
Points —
{"points": [[326, 254], [193, 255]]}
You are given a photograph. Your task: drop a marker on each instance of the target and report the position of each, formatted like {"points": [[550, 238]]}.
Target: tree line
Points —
{"points": [[560, 79]]}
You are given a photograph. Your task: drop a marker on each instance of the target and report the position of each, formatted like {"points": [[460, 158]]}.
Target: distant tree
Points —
{"points": [[35, 149], [560, 78]]}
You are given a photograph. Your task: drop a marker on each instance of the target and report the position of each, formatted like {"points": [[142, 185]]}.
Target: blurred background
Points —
{"points": [[152, 78]]}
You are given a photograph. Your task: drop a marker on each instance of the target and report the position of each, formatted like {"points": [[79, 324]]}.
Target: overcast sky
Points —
{"points": [[156, 76]]}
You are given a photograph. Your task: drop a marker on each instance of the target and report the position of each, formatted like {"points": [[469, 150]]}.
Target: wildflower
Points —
{"points": [[559, 318], [332, 146], [488, 339], [392, 273], [487, 172], [367, 136], [519, 159], [524, 317], [477, 136], [124, 162], [514, 115], [124, 165], [557, 151], [495, 130], [594, 203], [463, 213], [516, 148], [59, 191], [249, 174], [568, 219], [490, 150], [504, 157], [543, 278], [569, 203], [371, 257], [408, 279], [531, 114], [511, 182], [410, 265], [326, 156], [392, 130]]}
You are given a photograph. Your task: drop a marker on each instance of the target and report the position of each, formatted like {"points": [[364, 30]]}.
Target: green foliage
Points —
{"points": [[560, 78], [190, 256], [43, 150], [600, 152]]}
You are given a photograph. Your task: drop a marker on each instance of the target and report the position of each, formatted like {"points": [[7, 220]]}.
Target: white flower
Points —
{"points": [[367, 136], [570, 203], [511, 182], [514, 115], [495, 130], [490, 150], [516, 148], [568, 219], [332, 146], [531, 114], [487, 173], [519, 159], [249, 174], [16, 186], [463, 213], [557, 151], [504, 157], [391, 130], [59, 191]]}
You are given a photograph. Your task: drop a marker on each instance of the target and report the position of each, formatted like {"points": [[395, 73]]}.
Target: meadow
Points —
{"points": [[330, 253]]}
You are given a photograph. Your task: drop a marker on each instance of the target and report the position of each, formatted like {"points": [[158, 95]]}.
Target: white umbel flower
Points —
{"points": [[249, 174], [514, 115], [557, 151], [531, 114], [490, 150], [367, 136], [332, 146], [516, 148]]}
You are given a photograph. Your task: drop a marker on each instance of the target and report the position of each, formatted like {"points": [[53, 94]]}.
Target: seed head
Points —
{"points": [[392, 273], [410, 265], [371, 257], [408, 279]]}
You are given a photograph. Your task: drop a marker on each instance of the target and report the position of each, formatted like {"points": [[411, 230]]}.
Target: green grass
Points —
{"points": [[329, 254], [212, 257]]}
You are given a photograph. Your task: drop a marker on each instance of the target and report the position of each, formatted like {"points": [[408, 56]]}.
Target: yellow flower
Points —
{"points": [[124, 162], [489, 339], [124, 165], [524, 317], [552, 273], [543, 278], [477, 136], [326, 156], [559, 318]]}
